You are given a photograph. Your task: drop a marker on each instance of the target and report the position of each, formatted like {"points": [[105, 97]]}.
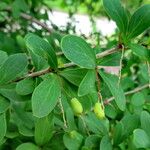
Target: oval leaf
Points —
{"points": [[87, 84], [4, 104], [140, 139], [45, 96], [3, 126], [117, 13], [44, 130], [25, 87], [145, 122], [140, 51], [116, 90], [12, 67], [139, 22], [78, 51], [3, 57], [42, 48], [29, 146], [105, 143]]}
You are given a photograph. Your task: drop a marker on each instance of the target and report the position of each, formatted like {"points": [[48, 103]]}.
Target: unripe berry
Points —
{"points": [[76, 106], [99, 111]]}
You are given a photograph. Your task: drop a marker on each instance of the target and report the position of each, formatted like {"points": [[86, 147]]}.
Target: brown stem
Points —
{"points": [[106, 102], [107, 52], [34, 74], [30, 18]]}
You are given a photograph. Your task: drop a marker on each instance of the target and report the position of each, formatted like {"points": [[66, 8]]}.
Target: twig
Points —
{"points": [[28, 17], [107, 52], [106, 102], [120, 64], [34, 74], [71, 64], [98, 87], [63, 113]]}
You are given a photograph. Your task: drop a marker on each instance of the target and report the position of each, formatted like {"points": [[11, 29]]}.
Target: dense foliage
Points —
{"points": [[56, 89]]}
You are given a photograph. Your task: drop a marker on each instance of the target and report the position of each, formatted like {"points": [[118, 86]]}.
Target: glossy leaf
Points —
{"points": [[117, 13], [25, 87], [78, 51], [145, 122], [12, 67], [3, 57], [106, 143], [29, 146], [42, 48], [45, 96], [116, 90], [44, 130], [139, 21], [4, 104], [3, 126], [87, 84], [141, 139], [73, 140], [138, 99], [74, 76], [140, 51]]}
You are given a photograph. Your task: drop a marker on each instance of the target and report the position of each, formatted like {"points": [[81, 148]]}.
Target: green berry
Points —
{"points": [[99, 111], [76, 106]]}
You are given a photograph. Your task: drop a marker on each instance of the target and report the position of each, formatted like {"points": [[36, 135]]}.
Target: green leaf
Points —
{"points": [[130, 122], [73, 140], [118, 133], [78, 51], [39, 62], [92, 142], [139, 21], [3, 126], [140, 51], [110, 111], [145, 122], [18, 6], [87, 84], [3, 57], [4, 104], [44, 130], [42, 48], [12, 67], [25, 87], [117, 13], [141, 139], [27, 146], [74, 76], [45, 96], [138, 99], [25, 131], [95, 125], [105, 143], [70, 119], [116, 90]]}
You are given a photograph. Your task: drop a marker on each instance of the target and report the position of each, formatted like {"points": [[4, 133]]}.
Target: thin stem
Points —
{"points": [[100, 99], [63, 113], [84, 123], [106, 102], [107, 52], [148, 68], [34, 74], [120, 64], [30, 18]]}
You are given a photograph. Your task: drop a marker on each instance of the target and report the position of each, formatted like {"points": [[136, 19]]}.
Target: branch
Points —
{"points": [[30, 18], [34, 74], [107, 52], [106, 102]]}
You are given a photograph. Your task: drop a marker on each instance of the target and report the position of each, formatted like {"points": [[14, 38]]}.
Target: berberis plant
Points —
{"points": [[57, 95]]}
